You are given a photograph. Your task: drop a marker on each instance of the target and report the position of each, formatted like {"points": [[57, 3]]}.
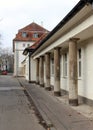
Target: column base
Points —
{"points": [[37, 83], [73, 102], [48, 88], [57, 93], [29, 82], [42, 85]]}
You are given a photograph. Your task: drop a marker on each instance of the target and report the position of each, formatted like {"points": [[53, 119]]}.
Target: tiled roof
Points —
{"points": [[38, 41], [33, 27], [31, 48], [29, 37], [30, 30]]}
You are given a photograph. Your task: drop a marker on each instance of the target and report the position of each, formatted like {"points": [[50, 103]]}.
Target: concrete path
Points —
{"points": [[16, 112], [56, 114]]}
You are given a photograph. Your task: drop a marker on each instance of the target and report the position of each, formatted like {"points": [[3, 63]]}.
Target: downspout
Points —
{"points": [[29, 69]]}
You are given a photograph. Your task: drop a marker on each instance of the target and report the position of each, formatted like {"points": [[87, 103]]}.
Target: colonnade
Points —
{"points": [[73, 85]]}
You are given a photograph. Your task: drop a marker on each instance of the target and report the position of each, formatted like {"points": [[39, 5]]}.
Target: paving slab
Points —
{"points": [[60, 116]]}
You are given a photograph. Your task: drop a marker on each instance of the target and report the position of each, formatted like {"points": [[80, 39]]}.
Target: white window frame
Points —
{"points": [[24, 34], [35, 35], [65, 64]]}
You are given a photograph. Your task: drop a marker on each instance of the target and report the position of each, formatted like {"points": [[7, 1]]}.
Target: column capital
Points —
{"points": [[74, 39], [47, 53], [57, 48], [37, 58], [41, 56]]}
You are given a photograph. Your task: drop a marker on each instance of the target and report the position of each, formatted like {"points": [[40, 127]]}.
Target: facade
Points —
{"points": [[26, 37], [29, 64], [64, 58]]}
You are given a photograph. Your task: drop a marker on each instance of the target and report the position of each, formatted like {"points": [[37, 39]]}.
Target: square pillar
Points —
{"points": [[73, 84], [41, 71], [47, 69], [57, 91], [37, 71]]}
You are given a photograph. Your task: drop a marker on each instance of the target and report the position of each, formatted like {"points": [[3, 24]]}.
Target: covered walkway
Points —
{"points": [[55, 113]]}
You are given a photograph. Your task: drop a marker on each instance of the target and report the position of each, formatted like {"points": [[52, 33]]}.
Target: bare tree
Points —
{"points": [[6, 59]]}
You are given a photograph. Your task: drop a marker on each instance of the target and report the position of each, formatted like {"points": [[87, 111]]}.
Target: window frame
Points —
{"points": [[24, 34], [35, 35], [65, 65]]}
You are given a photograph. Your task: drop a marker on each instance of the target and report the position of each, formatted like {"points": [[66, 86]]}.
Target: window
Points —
{"points": [[35, 35], [23, 44], [28, 45], [52, 66], [65, 65], [79, 62], [24, 34]]}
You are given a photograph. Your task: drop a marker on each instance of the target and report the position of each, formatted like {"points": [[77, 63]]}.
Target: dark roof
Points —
{"points": [[71, 14]]}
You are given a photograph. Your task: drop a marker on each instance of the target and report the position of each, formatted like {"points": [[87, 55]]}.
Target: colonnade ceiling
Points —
{"points": [[86, 34]]}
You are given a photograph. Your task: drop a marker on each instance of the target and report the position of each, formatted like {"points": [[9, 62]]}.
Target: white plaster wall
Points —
{"points": [[27, 69], [19, 57], [63, 80], [85, 84], [52, 80], [16, 63], [51, 75], [33, 70], [64, 84]]}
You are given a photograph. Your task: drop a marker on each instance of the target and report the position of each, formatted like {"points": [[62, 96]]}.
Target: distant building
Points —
{"points": [[26, 37]]}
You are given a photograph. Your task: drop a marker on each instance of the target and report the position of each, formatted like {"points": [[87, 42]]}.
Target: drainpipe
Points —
{"points": [[29, 69]]}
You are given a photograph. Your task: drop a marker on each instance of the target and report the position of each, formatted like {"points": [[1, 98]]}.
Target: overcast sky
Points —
{"points": [[16, 14]]}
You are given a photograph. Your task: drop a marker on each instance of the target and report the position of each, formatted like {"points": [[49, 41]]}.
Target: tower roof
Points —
{"points": [[33, 27]]}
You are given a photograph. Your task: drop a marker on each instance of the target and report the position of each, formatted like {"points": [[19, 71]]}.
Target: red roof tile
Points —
{"points": [[30, 30], [35, 44], [33, 27]]}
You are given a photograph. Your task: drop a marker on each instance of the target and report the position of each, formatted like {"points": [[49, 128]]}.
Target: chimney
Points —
{"points": [[42, 23]]}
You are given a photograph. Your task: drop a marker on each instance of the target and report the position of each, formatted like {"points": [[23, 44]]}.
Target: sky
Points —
{"points": [[16, 14]]}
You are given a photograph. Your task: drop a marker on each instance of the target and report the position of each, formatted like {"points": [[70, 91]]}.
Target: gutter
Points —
{"points": [[69, 16]]}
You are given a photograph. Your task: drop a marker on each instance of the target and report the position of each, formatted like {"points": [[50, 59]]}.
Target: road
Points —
{"points": [[16, 112]]}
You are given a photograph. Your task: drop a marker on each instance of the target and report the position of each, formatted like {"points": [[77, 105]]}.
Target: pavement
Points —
{"points": [[56, 112], [16, 112]]}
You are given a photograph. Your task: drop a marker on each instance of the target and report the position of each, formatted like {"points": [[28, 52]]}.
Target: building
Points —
{"points": [[29, 63], [26, 37], [64, 58]]}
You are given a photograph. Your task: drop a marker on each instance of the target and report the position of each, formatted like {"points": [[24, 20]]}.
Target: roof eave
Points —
{"points": [[70, 15], [27, 50]]}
